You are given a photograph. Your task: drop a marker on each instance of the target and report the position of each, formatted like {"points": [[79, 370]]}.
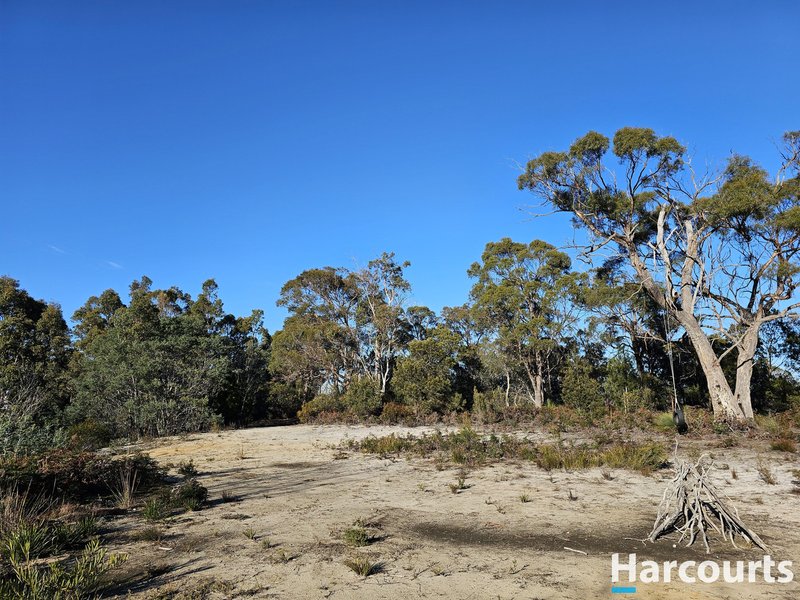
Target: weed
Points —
{"points": [[784, 445], [187, 468], [229, 497], [356, 536], [249, 533], [190, 495], [363, 566], [148, 534], [766, 474], [126, 486], [524, 498], [58, 579], [155, 509]]}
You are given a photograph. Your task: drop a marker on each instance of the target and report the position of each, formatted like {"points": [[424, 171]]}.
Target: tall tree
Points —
{"points": [[717, 252], [522, 295], [35, 351], [383, 290]]}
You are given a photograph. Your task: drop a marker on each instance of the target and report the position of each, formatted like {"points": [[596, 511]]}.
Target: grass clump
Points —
{"points": [[187, 468], [363, 566], [356, 536], [156, 508], [784, 445], [766, 474]]}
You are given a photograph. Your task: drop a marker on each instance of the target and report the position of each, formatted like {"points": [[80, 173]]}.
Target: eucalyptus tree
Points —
{"points": [[718, 252], [522, 295], [425, 377], [320, 343], [35, 351], [383, 290]]}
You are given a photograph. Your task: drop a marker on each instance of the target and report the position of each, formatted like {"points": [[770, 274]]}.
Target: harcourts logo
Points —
{"points": [[690, 571]]}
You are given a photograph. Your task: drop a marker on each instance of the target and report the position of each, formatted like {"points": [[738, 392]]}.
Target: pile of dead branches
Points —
{"points": [[693, 507]]}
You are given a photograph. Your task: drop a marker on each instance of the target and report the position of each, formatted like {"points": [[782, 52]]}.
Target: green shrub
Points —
{"points": [[155, 509], [581, 389], [394, 412], [320, 405], [189, 495], [74, 475], [59, 580], [363, 397], [88, 435], [355, 536]]}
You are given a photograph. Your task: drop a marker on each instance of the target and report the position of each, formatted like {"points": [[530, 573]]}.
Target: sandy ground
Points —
{"points": [[295, 491]]}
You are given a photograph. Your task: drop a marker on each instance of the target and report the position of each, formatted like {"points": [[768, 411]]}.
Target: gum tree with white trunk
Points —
{"points": [[717, 251]]}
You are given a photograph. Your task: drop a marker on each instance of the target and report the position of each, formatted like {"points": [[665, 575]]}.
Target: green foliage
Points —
{"points": [[363, 566], [581, 388], [189, 495], [363, 398], [522, 297], [164, 363], [60, 580], [424, 378], [75, 475], [320, 405], [187, 468], [466, 447], [88, 435], [35, 351], [356, 536]]}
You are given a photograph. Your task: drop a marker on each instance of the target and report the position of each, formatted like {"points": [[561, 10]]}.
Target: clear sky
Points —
{"points": [[248, 141]]}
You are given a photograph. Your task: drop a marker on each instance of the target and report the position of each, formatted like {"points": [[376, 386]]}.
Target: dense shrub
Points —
{"points": [[74, 475], [321, 404], [363, 398]]}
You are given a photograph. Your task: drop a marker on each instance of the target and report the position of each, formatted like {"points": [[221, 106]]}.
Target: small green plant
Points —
{"points": [[356, 536], [60, 579], [363, 566], [663, 422], [461, 482], [71, 535], [155, 509], [524, 498], [190, 495], [249, 533], [187, 468]]}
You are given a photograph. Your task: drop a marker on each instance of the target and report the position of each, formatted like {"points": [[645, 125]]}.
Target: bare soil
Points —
{"points": [[291, 491]]}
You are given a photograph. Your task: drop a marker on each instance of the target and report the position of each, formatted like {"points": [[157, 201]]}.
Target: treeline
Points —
{"points": [[535, 332], [692, 299]]}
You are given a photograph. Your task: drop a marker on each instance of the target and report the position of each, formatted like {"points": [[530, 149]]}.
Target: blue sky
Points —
{"points": [[248, 141]]}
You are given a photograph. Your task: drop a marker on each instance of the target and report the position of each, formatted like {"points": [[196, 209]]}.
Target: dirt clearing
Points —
{"points": [[282, 498]]}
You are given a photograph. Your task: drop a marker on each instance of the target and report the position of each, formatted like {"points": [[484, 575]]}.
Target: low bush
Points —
{"points": [[189, 495], [468, 448], [75, 475]]}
